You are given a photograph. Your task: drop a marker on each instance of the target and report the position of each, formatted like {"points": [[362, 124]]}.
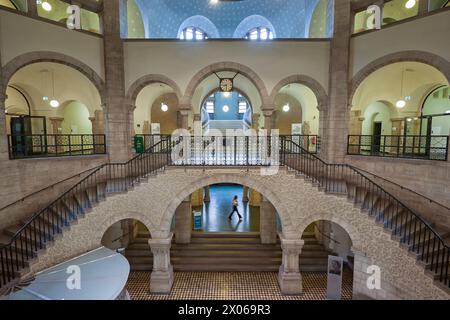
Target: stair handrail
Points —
{"points": [[402, 187], [48, 187], [378, 186], [38, 213]]}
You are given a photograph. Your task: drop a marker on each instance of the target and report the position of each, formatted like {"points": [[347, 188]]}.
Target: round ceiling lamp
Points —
{"points": [[226, 108], [286, 108], [164, 107], [54, 103], [410, 4], [400, 104], [46, 6]]}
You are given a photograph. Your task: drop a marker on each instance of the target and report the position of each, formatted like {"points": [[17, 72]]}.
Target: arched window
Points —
{"points": [[193, 33], [260, 33]]}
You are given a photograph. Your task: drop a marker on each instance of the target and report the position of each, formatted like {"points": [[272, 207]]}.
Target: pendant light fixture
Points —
{"points": [[410, 4], [401, 103], [53, 103]]}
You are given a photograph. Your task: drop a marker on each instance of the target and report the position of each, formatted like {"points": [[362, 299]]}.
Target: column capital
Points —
{"points": [[161, 243], [56, 119], [292, 246], [267, 113]]}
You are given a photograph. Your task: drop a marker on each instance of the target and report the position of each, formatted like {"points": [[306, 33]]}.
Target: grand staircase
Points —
{"points": [[227, 252], [20, 245]]}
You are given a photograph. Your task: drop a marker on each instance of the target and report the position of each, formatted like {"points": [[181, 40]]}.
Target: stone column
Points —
{"points": [[255, 198], [198, 129], [423, 7], [268, 222], [184, 119], [4, 155], [183, 222], [360, 276], [245, 194], [32, 8], [255, 121], [334, 144], [161, 280], [289, 277], [207, 197], [119, 118], [98, 129], [268, 120]]}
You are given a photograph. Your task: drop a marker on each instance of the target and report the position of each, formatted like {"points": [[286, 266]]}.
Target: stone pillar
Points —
{"points": [[423, 7], [161, 280], [268, 222], [360, 276], [119, 116], [268, 120], [255, 121], [198, 128], [183, 222], [207, 197], [4, 155], [289, 277], [184, 119], [197, 198], [98, 128], [255, 198], [32, 8], [245, 194], [334, 140]]}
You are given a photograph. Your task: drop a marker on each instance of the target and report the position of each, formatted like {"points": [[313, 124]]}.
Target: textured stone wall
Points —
{"points": [[20, 178], [297, 202]]}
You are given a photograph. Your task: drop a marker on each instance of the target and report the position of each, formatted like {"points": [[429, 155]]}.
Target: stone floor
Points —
{"points": [[233, 286], [216, 212]]}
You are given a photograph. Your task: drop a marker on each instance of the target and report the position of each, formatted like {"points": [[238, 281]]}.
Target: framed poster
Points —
{"points": [[334, 277], [297, 132], [156, 128]]}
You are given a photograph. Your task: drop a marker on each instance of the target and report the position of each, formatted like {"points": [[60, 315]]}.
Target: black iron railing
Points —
{"points": [[413, 147], [43, 226], [410, 228], [55, 145]]}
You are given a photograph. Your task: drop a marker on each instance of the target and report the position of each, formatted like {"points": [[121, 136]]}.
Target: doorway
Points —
{"points": [[376, 143]]}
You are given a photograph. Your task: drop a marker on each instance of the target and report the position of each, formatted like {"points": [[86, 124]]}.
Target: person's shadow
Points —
{"points": [[234, 226]]}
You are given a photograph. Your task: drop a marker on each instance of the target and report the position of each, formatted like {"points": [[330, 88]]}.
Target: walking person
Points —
{"points": [[235, 205]]}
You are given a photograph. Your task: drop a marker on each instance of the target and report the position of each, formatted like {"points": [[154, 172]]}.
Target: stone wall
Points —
{"points": [[428, 178], [298, 204], [20, 178]]}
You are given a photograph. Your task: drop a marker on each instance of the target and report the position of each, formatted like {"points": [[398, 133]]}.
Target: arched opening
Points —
{"points": [[386, 117], [157, 111], [296, 113], [226, 111], [222, 110], [53, 110], [334, 256], [130, 237], [435, 114], [197, 28], [255, 27]]}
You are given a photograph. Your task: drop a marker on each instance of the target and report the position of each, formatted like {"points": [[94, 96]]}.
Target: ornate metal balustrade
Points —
{"points": [[413, 147], [64, 145]]}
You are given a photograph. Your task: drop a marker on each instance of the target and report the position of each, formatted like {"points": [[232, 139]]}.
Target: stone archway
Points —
{"points": [[26, 59], [225, 66], [146, 80], [287, 226], [315, 86], [428, 58]]}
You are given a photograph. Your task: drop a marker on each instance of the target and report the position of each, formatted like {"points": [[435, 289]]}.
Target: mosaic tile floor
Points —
{"points": [[233, 286]]}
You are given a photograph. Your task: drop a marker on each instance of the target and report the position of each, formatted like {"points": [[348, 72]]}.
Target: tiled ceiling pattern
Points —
{"points": [[288, 17]]}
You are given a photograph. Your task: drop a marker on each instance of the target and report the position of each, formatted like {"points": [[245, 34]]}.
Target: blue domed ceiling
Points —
{"points": [[228, 19]]}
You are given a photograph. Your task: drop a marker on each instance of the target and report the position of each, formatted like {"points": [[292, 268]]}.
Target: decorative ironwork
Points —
{"points": [[38, 146], [413, 147]]}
